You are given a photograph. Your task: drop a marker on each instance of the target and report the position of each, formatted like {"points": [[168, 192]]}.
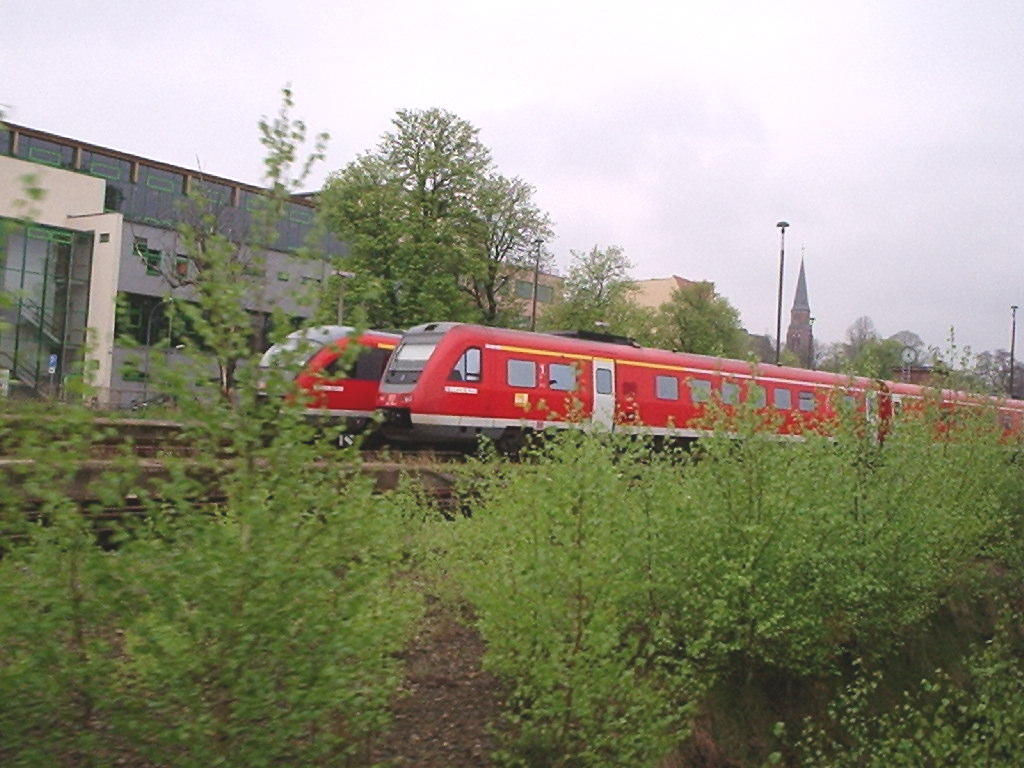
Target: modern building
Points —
{"points": [[800, 335], [91, 255]]}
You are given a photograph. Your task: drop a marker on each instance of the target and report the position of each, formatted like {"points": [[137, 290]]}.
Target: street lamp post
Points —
{"points": [[810, 344], [342, 276], [536, 274], [1013, 343], [778, 315]]}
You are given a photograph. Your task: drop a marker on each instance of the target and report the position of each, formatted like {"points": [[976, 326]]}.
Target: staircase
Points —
{"points": [[39, 332]]}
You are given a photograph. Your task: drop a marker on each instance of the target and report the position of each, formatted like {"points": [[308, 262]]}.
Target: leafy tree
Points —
{"points": [[909, 339], [222, 259], [866, 353], [510, 224], [408, 212], [698, 319], [858, 335], [597, 294], [992, 370]]}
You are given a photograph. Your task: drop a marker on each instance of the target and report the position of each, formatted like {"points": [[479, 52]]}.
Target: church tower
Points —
{"points": [[800, 337]]}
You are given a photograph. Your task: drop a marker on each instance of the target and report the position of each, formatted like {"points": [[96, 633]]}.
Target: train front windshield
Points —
{"points": [[408, 362]]}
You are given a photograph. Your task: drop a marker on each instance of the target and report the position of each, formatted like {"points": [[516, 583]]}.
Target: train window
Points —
{"points": [[522, 373], [783, 399], [850, 402], [603, 381], [730, 393], [408, 362], [414, 353], [806, 400], [468, 366], [666, 387], [700, 390], [756, 395], [562, 377], [370, 364]]}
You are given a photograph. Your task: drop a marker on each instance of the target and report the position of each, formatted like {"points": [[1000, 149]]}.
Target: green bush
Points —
{"points": [[259, 628], [974, 718], [614, 584]]}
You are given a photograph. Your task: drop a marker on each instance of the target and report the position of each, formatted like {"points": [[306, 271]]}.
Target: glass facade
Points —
{"points": [[157, 196], [116, 171], [42, 329], [46, 152]]}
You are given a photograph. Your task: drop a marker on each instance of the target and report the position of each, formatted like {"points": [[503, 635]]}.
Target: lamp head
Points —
{"points": [[782, 224]]}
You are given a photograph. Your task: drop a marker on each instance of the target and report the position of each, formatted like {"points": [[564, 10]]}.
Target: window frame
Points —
{"points": [[517, 362], [776, 391], [762, 400], [698, 386], [466, 373], [659, 380], [555, 385]]}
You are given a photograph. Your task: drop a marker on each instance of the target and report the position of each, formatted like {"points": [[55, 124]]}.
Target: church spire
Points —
{"points": [[800, 338], [800, 300]]}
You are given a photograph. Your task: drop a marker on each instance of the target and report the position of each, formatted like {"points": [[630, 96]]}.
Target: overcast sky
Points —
{"points": [[889, 134]]}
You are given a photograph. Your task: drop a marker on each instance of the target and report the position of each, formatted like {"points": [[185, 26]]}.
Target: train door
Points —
{"points": [[603, 413]]}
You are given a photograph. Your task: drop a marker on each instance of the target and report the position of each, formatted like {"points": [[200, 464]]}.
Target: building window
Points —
{"points": [[783, 399], [5, 140], [562, 377], [666, 387], [730, 393], [700, 390], [110, 168], [46, 152], [545, 294], [468, 366], [161, 181], [151, 257], [181, 266], [212, 192], [300, 214], [806, 401], [524, 289], [522, 373]]}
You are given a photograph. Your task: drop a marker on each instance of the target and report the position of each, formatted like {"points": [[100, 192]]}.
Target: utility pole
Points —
{"points": [[1013, 343], [778, 315], [536, 274]]}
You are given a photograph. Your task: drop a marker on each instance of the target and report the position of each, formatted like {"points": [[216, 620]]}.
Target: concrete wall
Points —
{"points": [[66, 194], [107, 229], [653, 293]]}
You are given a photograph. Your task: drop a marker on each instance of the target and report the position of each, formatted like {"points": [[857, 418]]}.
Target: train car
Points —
{"points": [[333, 394], [450, 382]]}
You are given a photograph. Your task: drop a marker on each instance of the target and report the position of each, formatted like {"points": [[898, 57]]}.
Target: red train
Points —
{"points": [[449, 382], [334, 395]]}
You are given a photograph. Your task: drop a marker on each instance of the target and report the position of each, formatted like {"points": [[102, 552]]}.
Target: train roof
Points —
{"points": [[626, 351]]}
